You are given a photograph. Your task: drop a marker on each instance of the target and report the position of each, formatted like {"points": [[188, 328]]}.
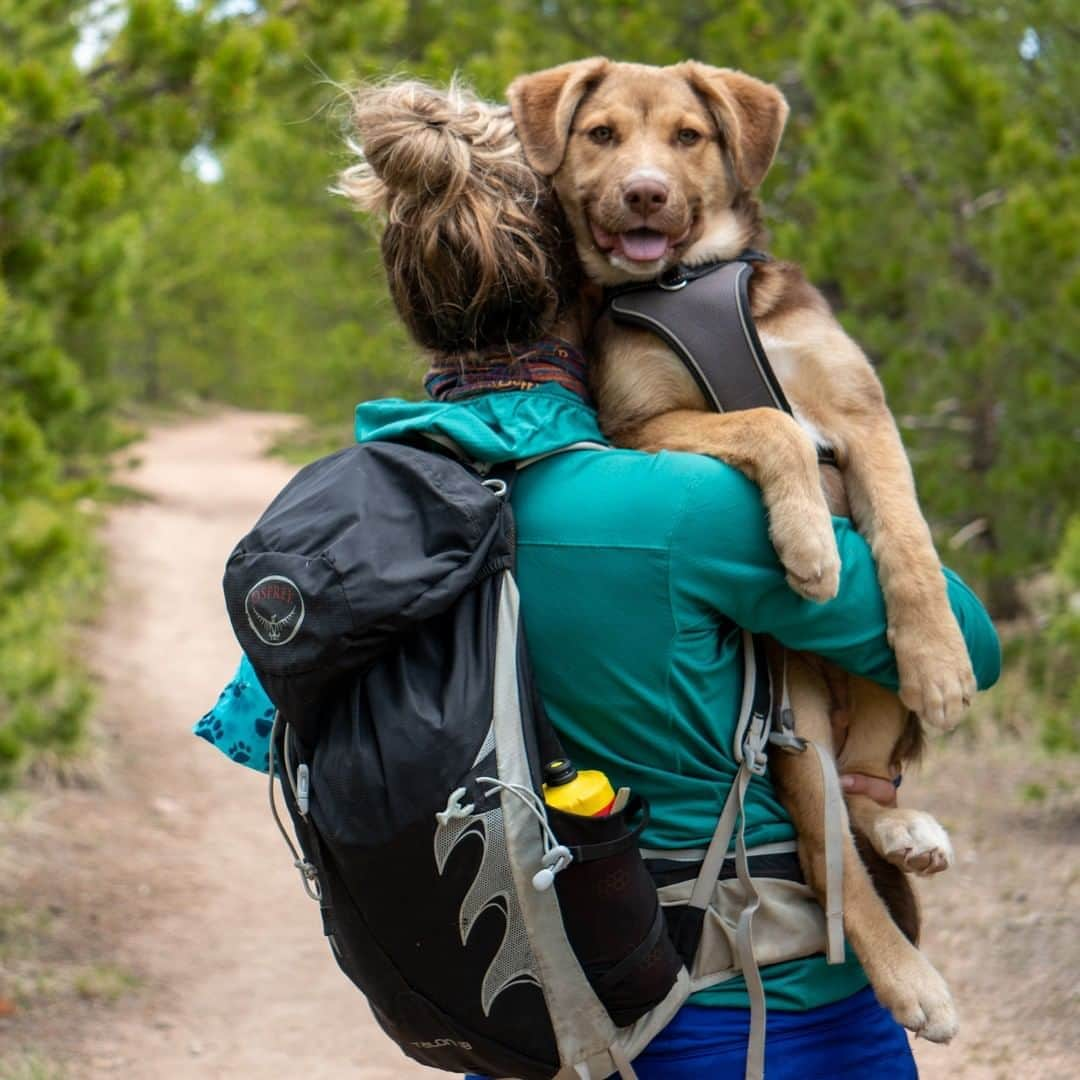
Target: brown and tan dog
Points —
{"points": [[658, 166]]}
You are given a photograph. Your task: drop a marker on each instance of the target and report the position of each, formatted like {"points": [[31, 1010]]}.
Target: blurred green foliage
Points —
{"points": [[1040, 690], [1053, 656], [85, 154], [928, 180]]}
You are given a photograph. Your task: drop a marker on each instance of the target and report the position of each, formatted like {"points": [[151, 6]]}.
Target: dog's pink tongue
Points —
{"points": [[644, 245]]}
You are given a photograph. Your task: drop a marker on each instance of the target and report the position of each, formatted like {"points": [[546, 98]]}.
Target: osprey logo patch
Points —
{"points": [[275, 609]]}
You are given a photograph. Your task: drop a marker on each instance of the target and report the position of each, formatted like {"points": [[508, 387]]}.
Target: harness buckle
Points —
{"points": [[791, 744], [784, 737], [754, 744]]}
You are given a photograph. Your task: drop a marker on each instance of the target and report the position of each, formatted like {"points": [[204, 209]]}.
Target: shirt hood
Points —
{"points": [[495, 427]]}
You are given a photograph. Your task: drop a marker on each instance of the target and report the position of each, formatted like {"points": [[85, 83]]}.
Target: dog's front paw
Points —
{"points": [[936, 678], [913, 840], [802, 533]]}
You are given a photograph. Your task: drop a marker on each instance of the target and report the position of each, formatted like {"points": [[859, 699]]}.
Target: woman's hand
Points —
{"points": [[883, 792]]}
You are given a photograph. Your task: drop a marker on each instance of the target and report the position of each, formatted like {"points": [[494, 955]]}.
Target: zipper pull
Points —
{"points": [[303, 790]]}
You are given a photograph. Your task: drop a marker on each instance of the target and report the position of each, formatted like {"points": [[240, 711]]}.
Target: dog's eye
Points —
{"points": [[601, 134], [688, 136]]}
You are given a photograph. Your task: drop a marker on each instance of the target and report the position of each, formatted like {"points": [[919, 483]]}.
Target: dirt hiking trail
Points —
{"points": [[170, 869], [151, 923]]}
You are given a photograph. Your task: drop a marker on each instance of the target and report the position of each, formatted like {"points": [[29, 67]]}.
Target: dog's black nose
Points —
{"points": [[645, 196]]}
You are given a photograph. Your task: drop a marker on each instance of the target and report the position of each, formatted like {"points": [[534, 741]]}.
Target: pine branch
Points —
{"points": [[70, 127], [579, 35], [911, 8], [986, 201]]}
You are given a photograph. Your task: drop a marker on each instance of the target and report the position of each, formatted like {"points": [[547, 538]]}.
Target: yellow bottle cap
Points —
{"points": [[589, 794]]}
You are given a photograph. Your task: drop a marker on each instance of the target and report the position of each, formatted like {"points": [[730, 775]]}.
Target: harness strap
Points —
{"points": [[751, 737], [785, 737], [744, 948], [752, 729], [708, 326], [834, 855], [622, 1063], [734, 813], [716, 852]]}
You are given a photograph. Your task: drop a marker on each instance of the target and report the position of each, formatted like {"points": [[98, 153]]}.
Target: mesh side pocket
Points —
{"points": [[613, 917]]}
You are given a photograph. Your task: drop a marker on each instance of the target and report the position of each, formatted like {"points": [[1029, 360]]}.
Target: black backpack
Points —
{"points": [[376, 600]]}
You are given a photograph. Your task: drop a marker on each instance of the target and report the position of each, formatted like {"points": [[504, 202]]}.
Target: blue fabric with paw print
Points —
{"points": [[240, 722]]}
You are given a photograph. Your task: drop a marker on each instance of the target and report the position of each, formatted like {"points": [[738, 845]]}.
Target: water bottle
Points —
{"points": [[587, 793], [608, 900]]}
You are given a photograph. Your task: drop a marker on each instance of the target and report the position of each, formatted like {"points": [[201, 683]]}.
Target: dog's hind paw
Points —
{"points": [[913, 840], [937, 1020], [920, 1000]]}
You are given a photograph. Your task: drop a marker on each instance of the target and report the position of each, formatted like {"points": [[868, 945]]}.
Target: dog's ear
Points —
{"points": [[543, 105], [750, 113]]}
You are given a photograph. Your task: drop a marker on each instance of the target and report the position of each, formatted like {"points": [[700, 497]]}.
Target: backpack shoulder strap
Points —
{"points": [[703, 315], [444, 444]]}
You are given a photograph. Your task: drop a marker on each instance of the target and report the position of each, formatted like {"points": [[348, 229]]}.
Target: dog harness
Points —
{"points": [[703, 314]]}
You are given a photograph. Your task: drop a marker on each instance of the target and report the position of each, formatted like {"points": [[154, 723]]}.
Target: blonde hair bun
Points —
{"points": [[418, 141], [472, 238]]}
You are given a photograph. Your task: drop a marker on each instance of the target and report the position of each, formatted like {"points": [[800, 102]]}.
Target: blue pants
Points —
{"points": [[849, 1040]]}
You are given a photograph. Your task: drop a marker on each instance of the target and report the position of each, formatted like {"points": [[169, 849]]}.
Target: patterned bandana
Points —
{"points": [[550, 360]]}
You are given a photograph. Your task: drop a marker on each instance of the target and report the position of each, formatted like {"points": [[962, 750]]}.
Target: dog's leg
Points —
{"points": [[770, 448], [829, 379], [936, 678], [903, 979], [910, 839]]}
